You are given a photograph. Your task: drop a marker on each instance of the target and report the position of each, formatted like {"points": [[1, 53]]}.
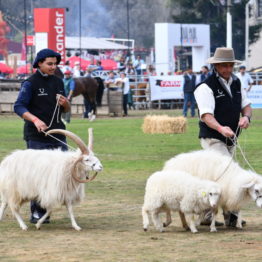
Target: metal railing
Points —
{"points": [[257, 77]]}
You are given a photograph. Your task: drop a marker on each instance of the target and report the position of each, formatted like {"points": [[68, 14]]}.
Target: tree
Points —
{"points": [[213, 12]]}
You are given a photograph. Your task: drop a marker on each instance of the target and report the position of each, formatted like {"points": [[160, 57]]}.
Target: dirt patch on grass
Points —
{"points": [[113, 232]]}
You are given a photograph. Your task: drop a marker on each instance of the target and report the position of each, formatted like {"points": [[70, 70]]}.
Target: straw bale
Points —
{"points": [[164, 124]]}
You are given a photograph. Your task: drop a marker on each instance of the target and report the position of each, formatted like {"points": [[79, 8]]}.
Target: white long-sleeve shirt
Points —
{"points": [[206, 100], [245, 80], [126, 84]]}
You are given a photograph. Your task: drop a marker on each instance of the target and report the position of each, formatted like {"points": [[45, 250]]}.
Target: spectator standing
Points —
{"points": [[110, 79], [245, 78], [36, 103], [204, 73], [69, 86], [188, 89], [77, 70], [221, 100], [66, 67], [94, 66], [121, 65], [138, 66], [99, 65], [151, 70], [126, 89], [130, 71]]}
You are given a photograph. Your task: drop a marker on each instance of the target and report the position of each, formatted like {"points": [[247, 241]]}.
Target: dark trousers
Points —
{"points": [[125, 100], [34, 205], [189, 97], [88, 108]]}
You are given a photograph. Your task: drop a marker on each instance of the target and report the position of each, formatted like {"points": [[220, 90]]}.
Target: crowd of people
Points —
{"points": [[127, 71]]}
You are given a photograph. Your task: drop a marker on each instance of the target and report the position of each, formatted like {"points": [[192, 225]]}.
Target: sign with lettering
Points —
{"points": [[255, 95], [50, 22], [166, 87], [30, 40]]}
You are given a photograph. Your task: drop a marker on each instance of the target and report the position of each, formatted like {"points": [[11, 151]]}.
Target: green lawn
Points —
{"points": [[110, 215]]}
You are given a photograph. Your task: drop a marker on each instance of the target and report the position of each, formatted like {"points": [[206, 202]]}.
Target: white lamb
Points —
{"points": [[168, 191], [238, 185], [52, 177]]}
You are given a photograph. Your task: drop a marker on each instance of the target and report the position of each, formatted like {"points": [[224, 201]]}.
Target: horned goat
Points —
{"points": [[178, 191], [52, 177], [238, 185]]}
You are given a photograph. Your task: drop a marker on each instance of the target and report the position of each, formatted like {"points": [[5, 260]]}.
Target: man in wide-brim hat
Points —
{"points": [[224, 108]]}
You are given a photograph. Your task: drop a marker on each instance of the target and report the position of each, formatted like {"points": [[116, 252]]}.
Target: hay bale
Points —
{"points": [[164, 124]]}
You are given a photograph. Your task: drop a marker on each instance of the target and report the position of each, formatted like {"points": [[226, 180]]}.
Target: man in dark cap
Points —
{"points": [[38, 103]]}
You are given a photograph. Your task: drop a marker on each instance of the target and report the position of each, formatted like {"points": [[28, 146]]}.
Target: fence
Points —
{"points": [[139, 84]]}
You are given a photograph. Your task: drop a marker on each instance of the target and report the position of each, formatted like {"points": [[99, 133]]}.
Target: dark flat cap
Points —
{"points": [[44, 53]]}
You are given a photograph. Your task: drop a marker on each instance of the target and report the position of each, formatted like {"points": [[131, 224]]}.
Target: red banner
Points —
{"points": [[56, 36], [52, 22], [30, 41]]}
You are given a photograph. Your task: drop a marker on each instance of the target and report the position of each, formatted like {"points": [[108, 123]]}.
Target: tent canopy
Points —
{"points": [[72, 42], [107, 64]]}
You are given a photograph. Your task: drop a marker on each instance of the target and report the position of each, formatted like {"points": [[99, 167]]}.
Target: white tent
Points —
{"points": [[73, 42]]}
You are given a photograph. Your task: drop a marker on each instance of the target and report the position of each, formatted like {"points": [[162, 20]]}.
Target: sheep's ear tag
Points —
{"points": [[204, 194]]}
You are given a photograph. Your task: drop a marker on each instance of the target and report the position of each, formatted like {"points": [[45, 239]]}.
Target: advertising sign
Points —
{"points": [[56, 36], [166, 87], [50, 22], [255, 95], [30, 41]]}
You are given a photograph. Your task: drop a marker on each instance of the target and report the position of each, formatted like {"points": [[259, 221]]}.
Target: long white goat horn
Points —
{"points": [[72, 136], [250, 184], [90, 139], [74, 172]]}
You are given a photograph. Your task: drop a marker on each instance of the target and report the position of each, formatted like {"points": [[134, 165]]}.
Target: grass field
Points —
{"points": [[111, 213]]}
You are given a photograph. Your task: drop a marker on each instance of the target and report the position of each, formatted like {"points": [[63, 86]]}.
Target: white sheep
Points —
{"points": [[52, 177], [238, 185], [168, 191]]}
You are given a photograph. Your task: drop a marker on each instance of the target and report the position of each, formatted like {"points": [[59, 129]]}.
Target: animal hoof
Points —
{"points": [[145, 229], [77, 228], [164, 224], [24, 228], [213, 230]]}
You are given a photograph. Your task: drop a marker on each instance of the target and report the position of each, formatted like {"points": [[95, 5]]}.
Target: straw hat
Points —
{"points": [[223, 55]]}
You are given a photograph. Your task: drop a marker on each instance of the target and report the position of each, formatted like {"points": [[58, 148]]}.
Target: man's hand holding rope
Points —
{"points": [[244, 122], [39, 124], [64, 102], [225, 131]]}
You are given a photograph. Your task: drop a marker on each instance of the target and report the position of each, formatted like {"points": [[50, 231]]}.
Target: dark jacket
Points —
{"points": [[42, 104], [227, 108]]}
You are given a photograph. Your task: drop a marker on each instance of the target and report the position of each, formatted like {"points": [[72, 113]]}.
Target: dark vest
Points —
{"points": [[227, 108], [42, 105], [189, 84]]}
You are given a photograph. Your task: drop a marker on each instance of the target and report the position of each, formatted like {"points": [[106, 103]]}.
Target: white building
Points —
{"points": [[168, 36], [254, 58]]}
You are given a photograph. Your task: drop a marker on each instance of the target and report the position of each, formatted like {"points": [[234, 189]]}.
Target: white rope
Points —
{"points": [[236, 144], [234, 141], [244, 157], [57, 107]]}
